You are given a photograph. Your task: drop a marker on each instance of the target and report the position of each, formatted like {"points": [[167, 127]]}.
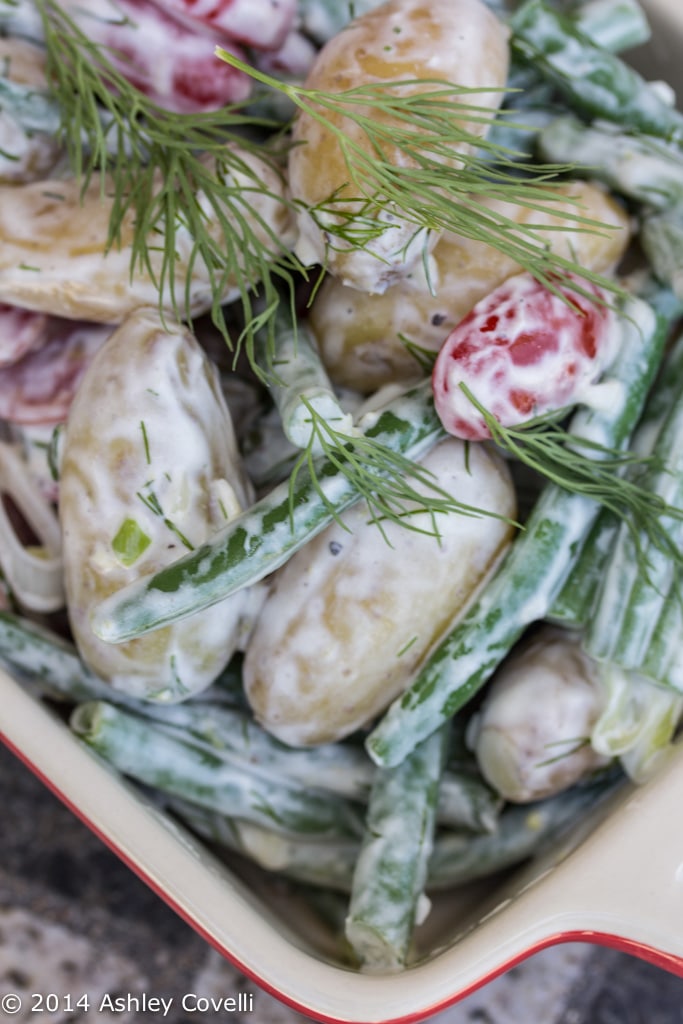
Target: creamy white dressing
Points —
{"points": [[24, 156], [181, 71], [556, 371], [149, 448], [348, 619], [362, 337], [373, 268], [263, 24], [531, 737], [575, 61], [637, 319], [54, 237], [457, 40]]}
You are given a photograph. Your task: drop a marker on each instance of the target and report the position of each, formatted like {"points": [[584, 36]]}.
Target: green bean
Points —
{"points": [[615, 25], [663, 661], [387, 889], [574, 605], [457, 858], [500, 8], [53, 662], [662, 299], [637, 723], [523, 830], [531, 102], [33, 110], [638, 166], [268, 456], [325, 863], [335, 767], [219, 719], [465, 800], [322, 19], [535, 568], [593, 81], [264, 537], [40, 117], [298, 382], [514, 131], [21, 18], [158, 757], [630, 601], [661, 239]]}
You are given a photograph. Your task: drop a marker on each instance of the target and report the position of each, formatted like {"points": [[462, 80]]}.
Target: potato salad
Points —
{"points": [[341, 380]]}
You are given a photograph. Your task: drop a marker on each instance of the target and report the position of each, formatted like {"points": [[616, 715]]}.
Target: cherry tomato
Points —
{"points": [[523, 351]]}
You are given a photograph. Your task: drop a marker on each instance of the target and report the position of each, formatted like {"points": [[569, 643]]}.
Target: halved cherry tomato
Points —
{"points": [[522, 352]]}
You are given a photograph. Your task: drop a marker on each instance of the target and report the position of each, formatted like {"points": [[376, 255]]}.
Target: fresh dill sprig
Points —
{"points": [[571, 745], [426, 128], [583, 466], [171, 174], [424, 357], [394, 487]]}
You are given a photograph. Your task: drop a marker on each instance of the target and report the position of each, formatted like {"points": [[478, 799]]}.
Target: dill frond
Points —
{"points": [[424, 187], [394, 487], [171, 173], [583, 466]]}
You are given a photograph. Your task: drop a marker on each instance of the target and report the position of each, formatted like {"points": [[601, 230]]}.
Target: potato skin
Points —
{"points": [[53, 258], [531, 734], [360, 336], [149, 440], [456, 41], [24, 155], [351, 616]]}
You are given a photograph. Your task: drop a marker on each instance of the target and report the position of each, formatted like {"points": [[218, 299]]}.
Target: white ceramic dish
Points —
{"points": [[620, 882]]}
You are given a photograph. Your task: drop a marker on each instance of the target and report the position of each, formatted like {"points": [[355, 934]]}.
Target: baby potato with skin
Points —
{"points": [[149, 469], [531, 737], [25, 155], [460, 42], [54, 258], [350, 617], [362, 337], [23, 62]]}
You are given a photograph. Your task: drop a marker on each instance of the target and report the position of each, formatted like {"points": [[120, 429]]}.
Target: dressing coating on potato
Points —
{"points": [[352, 614], [23, 62], [362, 338], [25, 155], [53, 255], [456, 41], [531, 737], [149, 469]]}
